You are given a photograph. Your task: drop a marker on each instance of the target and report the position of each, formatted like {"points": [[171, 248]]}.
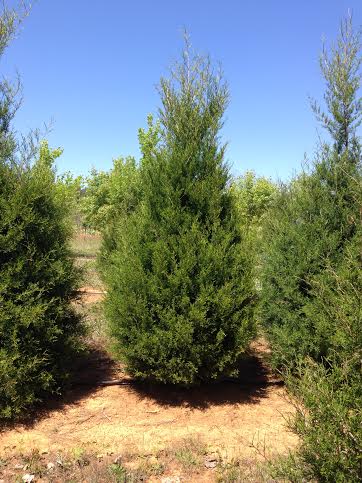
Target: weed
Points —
{"points": [[190, 453], [33, 463], [80, 456], [229, 472], [126, 475]]}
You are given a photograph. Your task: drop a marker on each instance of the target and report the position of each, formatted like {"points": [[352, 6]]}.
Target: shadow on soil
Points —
{"points": [[251, 385], [87, 373], [97, 366]]}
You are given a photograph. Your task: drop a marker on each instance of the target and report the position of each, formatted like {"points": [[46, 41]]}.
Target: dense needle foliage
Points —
{"points": [[38, 325], [312, 283], [177, 268], [314, 219]]}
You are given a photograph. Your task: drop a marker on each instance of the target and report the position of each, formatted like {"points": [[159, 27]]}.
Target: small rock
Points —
{"points": [[171, 479], [18, 467], [59, 462], [210, 461], [28, 478], [50, 466], [44, 451], [100, 456]]}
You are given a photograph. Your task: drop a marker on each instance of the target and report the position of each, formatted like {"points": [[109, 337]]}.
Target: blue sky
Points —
{"points": [[93, 66]]}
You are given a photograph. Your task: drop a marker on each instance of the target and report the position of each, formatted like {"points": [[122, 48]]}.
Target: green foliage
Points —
{"points": [[341, 71], [307, 232], [95, 199], [330, 414], [312, 286], [38, 326], [328, 397], [71, 192], [109, 194], [179, 277], [329, 418], [254, 196]]}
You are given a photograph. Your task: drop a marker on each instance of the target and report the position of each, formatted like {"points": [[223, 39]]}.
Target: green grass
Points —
{"points": [[95, 322], [85, 244], [91, 276], [190, 453]]}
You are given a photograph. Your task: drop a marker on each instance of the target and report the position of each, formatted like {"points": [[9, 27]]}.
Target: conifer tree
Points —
{"points": [[312, 283], [314, 218], [178, 272], [39, 328]]}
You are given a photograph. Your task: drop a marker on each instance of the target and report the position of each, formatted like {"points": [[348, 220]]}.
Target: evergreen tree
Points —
{"points": [[38, 326], [178, 273], [313, 218], [341, 71], [328, 395], [312, 284]]}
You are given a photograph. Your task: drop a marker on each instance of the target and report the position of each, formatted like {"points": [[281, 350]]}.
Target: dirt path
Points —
{"points": [[231, 418]]}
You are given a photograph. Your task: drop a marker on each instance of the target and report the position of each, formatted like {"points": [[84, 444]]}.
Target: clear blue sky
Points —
{"points": [[92, 66]]}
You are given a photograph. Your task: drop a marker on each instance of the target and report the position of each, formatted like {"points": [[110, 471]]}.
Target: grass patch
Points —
{"points": [[140, 473], [94, 320], [85, 244], [238, 471], [190, 453], [91, 276]]}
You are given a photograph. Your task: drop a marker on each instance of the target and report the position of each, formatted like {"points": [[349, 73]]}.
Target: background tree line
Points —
{"points": [[196, 263]]}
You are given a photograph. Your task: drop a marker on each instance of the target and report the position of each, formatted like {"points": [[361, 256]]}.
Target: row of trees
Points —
{"points": [[39, 328], [196, 263]]}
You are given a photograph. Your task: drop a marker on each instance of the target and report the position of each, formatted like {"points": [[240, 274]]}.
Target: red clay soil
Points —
{"points": [[232, 418]]}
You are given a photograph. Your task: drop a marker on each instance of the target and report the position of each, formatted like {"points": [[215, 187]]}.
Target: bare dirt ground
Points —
{"points": [[235, 420], [145, 418]]}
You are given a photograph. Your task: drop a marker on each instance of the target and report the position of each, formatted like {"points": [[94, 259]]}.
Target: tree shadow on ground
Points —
{"points": [[87, 372], [248, 388], [91, 370]]}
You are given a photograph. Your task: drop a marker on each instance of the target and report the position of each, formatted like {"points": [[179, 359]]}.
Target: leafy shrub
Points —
{"points": [[254, 196], [38, 326], [328, 397], [108, 193], [177, 268], [72, 190]]}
